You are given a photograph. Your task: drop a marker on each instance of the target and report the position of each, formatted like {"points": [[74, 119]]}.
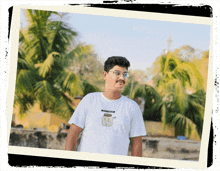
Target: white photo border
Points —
{"points": [[14, 37]]}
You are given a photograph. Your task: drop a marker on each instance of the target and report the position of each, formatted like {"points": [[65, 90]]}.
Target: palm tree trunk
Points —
{"points": [[163, 114], [132, 84]]}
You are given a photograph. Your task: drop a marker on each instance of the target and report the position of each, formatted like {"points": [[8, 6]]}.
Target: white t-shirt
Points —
{"points": [[107, 134]]}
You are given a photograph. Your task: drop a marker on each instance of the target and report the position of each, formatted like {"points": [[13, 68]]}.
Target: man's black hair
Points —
{"points": [[116, 60]]}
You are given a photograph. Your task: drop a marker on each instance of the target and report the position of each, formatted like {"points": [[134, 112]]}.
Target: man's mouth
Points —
{"points": [[120, 81]]}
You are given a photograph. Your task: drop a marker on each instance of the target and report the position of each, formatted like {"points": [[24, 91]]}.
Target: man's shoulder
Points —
{"points": [[130, 105], [91, 95], [89, 98], [129, 101]]}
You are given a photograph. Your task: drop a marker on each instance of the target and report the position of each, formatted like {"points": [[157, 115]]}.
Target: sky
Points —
{"points": [[141, 41]]}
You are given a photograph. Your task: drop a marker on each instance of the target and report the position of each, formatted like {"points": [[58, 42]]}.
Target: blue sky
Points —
{"points": [[139, 40]]}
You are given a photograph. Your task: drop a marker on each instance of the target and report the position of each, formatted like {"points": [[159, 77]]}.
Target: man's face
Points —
{"points": [[114, 81]]}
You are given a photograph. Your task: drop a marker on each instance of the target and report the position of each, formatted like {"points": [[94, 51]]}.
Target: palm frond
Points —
{"points": [[188, 72], [177, 91], [25, 81], [62, 107], [47, 65], [68, 82], [22, 64], [60, 35], [181, 121], [37, 32], [153, 101], [170, 63], [45, 92], [25, 101], [89, 88]]}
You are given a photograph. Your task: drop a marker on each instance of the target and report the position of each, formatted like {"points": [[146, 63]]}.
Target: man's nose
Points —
{"points": [[121, 76]]}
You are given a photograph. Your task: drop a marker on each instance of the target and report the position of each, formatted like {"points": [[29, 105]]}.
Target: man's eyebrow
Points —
{"points": [[120, 71]]}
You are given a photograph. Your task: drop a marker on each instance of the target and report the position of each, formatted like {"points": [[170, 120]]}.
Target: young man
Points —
{"points": [[108, 120]]}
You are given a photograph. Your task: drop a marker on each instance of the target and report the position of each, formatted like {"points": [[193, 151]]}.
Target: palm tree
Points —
{"points": [[88, 88], [153, 101], [43, 58], [131, 84], [183, 109]]}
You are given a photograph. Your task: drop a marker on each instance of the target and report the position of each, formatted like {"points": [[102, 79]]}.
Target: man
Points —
{"points": [[108, 120]]}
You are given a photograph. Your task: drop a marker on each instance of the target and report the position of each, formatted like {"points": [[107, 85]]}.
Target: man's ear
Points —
{"points": [[104, 74]]}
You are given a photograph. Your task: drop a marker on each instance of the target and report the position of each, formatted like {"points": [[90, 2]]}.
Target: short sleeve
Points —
{"points": [[137, 123], [79, 115]]}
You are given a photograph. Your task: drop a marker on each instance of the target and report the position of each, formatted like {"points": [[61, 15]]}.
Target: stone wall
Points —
{"points": [[153, 147], [39, 139], [170, 148]]}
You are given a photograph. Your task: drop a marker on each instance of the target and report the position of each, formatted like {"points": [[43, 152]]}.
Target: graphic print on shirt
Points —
{"points": [[110, 111], [107, 120]]}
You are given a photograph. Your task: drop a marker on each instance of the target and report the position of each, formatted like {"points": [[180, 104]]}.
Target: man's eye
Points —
{"points": [[117, 73]]}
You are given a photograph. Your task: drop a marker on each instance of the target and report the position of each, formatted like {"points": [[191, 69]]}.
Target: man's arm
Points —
{"points": [[72, 136], [136, 146]]}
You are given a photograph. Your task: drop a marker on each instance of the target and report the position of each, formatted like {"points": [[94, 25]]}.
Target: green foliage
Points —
{"points": [[127, 89], [88, 88], [181, 86], [43, 59], [152, 101], [179, 96], [88, 68]]}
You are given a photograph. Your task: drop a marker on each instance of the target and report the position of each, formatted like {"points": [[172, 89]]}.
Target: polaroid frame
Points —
{"points": [[15, 26]]}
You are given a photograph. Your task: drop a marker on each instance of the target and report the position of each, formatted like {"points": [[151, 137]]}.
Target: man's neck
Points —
{"points": [[112, 95]]}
